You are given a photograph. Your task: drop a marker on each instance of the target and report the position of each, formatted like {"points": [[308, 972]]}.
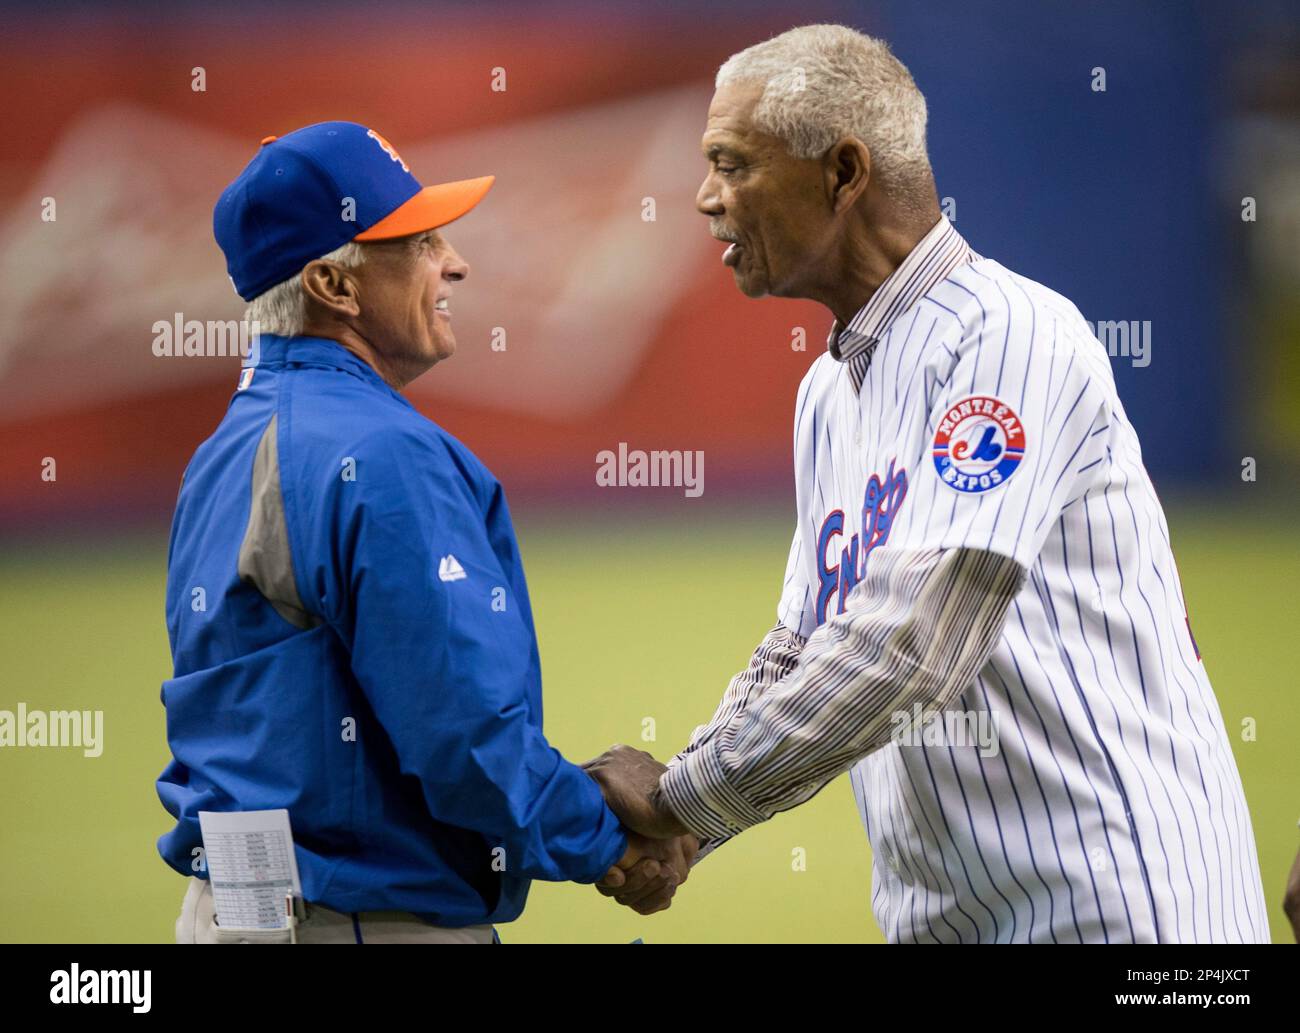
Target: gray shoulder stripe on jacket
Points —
{"points": [[264, 558]]}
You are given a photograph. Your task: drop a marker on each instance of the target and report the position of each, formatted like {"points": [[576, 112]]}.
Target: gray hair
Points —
{"points": [[281, 309], [825, 82]]}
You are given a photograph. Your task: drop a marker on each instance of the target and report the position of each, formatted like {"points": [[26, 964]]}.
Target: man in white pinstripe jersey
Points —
{"points": [[976, 536]]}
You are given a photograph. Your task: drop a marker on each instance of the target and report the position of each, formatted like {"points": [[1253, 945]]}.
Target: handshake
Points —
{"points": [[660, 848]]}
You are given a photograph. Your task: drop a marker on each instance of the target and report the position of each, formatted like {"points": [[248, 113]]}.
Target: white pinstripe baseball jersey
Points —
{"points": [[982, 620]]}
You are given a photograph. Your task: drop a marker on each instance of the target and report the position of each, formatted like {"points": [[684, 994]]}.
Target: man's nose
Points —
{"points": [[454, 268], [707, 201]]}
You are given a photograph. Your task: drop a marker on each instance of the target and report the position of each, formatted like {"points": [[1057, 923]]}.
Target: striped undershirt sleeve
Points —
{"points": [[774, 660], [916, 630]]}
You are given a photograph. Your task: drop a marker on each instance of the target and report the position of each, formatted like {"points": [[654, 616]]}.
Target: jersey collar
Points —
{"points": [[933, 260]]}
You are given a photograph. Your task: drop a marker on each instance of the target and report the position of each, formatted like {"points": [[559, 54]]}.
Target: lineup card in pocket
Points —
{"points": [[251, 866]]}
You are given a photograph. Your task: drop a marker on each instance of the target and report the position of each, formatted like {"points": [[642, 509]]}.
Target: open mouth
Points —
{"points": [[443, 307], [730, 257]]}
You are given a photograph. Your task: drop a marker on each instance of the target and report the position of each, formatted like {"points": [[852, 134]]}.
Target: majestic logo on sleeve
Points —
{"points": [[979, 443], [879, 504]]}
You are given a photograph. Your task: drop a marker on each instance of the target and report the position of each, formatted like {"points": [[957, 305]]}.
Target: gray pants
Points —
{"points": [[197, 924]]}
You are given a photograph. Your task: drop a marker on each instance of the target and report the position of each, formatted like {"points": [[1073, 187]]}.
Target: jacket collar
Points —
{"points": [[274, 351]]}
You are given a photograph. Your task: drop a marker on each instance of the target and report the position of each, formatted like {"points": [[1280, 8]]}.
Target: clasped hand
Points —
{"points": [[660, 848]]}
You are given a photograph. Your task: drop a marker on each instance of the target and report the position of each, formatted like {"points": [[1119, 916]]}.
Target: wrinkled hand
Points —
{"points": [[660, 848], [629, 779], [647, 876]]}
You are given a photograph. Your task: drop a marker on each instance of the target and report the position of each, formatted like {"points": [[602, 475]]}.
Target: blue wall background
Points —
{"points": [[1108, 197]]}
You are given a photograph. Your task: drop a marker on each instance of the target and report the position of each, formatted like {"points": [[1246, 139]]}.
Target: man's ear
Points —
{"points": [[332, 287], [847, 168]]}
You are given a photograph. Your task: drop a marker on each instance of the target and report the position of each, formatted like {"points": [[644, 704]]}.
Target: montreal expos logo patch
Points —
{"points": [[978, 444]]}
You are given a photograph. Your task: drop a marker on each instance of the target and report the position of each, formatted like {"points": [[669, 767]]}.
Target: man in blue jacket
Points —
{"points": [[347, 610]]}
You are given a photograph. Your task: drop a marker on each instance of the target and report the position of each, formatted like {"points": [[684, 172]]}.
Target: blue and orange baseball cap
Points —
{"points": [[305, 194]]}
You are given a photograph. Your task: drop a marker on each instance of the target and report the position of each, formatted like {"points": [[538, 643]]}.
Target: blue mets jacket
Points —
{"points": [[353, 641]]}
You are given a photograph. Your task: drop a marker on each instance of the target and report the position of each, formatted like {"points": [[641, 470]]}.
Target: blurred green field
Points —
{"points": [[636, 621]]}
